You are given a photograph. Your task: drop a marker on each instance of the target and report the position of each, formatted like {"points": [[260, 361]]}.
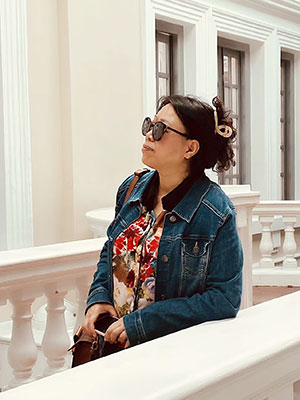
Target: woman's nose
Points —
{"points": [[149, 136]]}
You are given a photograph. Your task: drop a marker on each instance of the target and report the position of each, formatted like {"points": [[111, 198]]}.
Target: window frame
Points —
{"points": [[167, 38], [288, 159], [176, 57], [244, 104]]}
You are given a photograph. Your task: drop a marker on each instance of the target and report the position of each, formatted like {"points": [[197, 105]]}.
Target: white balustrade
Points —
{"points": [[236, 359], [278, 271], [56, 339], [55, 270], [25, 275]]}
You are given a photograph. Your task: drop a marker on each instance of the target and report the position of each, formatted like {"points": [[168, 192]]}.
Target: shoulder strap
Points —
{"points": [[137, 175]]}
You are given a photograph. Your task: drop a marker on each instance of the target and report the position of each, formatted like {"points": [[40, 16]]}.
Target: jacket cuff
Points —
{"points": [[134, 328], [99, 295]]}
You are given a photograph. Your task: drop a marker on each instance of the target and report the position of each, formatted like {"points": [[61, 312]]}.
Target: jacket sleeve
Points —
{"points": [[99, 290], [221, 298]]}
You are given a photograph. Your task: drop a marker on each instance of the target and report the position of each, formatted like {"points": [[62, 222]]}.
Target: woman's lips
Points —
{"points": [[146, 148]]}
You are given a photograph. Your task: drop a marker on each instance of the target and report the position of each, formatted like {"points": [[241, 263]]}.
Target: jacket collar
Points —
{"points": [[186, 208]]}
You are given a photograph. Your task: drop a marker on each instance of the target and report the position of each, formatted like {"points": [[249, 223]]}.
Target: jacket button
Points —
{"points": [[173, 218], [163, 297], [165, 258]]}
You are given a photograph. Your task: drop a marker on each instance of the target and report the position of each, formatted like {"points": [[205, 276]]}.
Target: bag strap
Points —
{"points": [[137, 175]]}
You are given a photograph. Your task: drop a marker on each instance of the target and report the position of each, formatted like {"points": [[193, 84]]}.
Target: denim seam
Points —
{"points": [[216, 212], [97, 290], [201, 200], [139, 326]]}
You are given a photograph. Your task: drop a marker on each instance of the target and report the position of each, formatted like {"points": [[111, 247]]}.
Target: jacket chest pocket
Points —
{"points": [[194, 258]]}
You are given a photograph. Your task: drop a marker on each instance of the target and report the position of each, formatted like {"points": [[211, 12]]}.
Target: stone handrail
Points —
{"points": [[53, 270], [236, 359]]}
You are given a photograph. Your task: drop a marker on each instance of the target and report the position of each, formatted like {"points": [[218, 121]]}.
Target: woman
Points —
{"points": [[173, 257]]}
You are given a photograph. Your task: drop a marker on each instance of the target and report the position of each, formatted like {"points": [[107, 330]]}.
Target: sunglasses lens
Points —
{"points": [[158, 130], [146, 126]]}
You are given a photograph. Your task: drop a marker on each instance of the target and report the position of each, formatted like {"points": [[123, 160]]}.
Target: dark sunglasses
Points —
{"points": [[158, 129]]}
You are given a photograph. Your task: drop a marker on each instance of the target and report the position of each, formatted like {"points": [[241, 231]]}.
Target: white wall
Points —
{"points": [[106, 101], [85, 109], [45, 121]]}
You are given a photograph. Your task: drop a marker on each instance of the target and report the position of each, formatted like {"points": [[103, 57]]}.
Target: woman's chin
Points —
{"points": [[147, 162]]}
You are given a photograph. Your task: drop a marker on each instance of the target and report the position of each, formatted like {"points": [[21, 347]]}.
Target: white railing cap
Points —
{"points": [[236, 358], [275, 207], [241, 195], [40, 253], [61, 262], [105, 213]]}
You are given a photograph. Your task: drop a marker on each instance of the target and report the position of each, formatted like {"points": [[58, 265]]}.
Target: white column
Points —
{"points": [[15, 163], [22, 351], [289, 245], [56, 340], [266, 244], [271, 127]]}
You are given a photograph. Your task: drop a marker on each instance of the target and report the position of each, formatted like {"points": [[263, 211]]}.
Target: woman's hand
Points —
{"points": [[93, 313], [116, 333]]}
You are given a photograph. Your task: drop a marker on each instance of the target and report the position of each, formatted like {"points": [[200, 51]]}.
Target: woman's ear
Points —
{"points": [[193, 147]]}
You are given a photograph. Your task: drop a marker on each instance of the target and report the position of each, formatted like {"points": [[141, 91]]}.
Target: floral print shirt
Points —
{"points": [[134, 263]]}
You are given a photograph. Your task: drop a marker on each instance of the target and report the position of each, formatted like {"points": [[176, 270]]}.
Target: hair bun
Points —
{"points": [[217, 103]]}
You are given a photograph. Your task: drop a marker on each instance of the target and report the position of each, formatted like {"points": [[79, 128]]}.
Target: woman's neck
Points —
{"points": [[169, 181]]}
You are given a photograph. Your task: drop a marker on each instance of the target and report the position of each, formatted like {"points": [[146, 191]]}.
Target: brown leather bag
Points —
{"points": [[87, 349]]}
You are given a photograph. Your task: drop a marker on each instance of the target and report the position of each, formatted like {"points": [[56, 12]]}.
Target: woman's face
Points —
{"points": [[167, 154]]}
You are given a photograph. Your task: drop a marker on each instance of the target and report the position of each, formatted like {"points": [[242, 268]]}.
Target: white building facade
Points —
{"points": [[78, 78]]}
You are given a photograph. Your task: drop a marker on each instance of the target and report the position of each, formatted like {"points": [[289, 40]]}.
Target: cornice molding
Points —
{"points": [[279, 6], [290, 40], [187, 10], [241, 25]]}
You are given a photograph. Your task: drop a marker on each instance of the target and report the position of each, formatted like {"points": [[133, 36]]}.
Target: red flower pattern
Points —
{"points": [[128, 241]]}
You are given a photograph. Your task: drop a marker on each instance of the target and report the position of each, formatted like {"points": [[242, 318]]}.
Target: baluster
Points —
{"points": [[56, 340], [289, 245], [22, 351], [82, 286], [266, 244]]}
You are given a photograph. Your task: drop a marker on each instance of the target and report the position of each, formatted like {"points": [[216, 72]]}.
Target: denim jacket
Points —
{"points": [[199, 262]]}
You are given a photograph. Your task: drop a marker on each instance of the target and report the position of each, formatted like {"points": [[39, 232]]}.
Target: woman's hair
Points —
{"points": [[198, 119]]}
